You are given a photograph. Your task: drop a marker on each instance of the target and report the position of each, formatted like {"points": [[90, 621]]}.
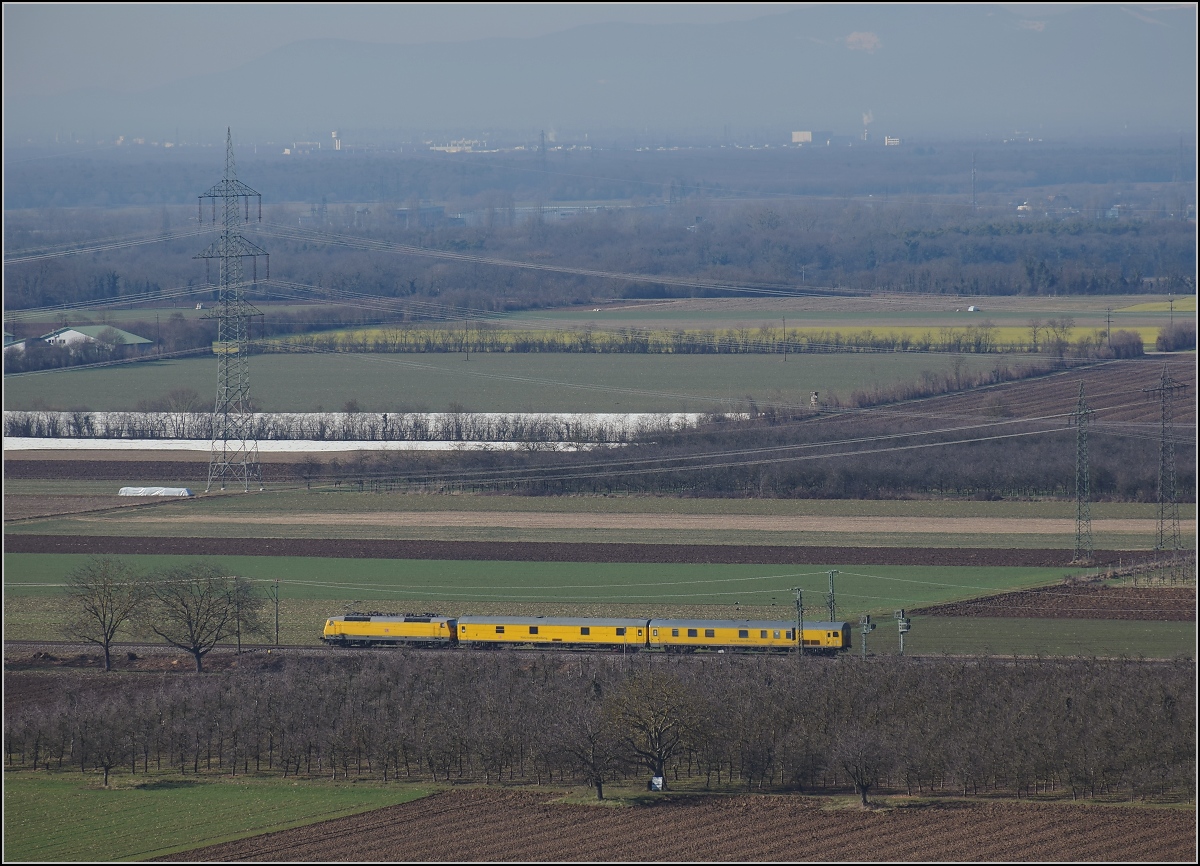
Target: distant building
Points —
{"points": [[462, 145], [425, 215], [103, 334], [891, 141], [807, 137]]}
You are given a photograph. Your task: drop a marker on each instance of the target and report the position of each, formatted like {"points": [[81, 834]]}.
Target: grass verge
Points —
{"points": [[62, 818]]}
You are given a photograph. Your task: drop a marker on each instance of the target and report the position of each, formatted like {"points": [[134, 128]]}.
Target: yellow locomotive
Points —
{"points": [[375, 629], [668, 635]]}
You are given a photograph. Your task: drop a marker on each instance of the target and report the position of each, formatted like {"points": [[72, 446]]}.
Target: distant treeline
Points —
{"points": [[820, 222], [123, 177], [531, 428], [777, 457], [1051, 337]]}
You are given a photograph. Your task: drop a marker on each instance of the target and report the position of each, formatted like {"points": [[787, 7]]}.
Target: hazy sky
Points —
{"points": [[53, 48], [153, 70]]}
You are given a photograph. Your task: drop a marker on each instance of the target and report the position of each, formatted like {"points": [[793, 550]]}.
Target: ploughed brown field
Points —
{"points": [[534, 551], [482, 825], [1158, 603], [1114, 391]]}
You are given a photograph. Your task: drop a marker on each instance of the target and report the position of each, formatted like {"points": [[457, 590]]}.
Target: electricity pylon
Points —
{"points": [[1167, 537], [234, 452], [1083, 499]]}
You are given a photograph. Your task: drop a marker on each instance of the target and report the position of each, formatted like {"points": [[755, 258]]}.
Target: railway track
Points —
{"points": [[63, 651]]}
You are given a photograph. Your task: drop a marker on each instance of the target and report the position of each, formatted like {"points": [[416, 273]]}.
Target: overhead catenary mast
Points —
{"points": [[234, 453]]}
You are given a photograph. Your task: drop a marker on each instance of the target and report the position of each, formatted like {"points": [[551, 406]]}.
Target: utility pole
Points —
{"points": [[1083, 498], [905, 625], [800, 620], [275, 595], [1108, 330], [867, 628], [543, 187], [973, 205], [829, 599], [234, 452]]}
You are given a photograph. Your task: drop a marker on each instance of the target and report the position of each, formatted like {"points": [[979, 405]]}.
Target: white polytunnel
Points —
{"points": [[155, 491]]}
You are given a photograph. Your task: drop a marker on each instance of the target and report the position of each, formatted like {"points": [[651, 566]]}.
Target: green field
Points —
{"points": [[493, 382], [1090, 313], [53, 819], [311, 589]]}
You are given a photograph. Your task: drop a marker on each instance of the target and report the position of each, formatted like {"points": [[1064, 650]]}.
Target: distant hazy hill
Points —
{"points": [[920, 70]]}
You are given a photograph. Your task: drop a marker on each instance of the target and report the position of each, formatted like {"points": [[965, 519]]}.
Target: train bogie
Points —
{"points": [[552, 631], [390, 630]]}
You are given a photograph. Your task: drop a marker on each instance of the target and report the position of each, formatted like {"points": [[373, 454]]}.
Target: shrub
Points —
{"points": [[1176, 338]]}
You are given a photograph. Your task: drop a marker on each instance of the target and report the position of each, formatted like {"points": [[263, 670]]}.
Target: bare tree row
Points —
{"points": [[934, 727], [192, 607]]}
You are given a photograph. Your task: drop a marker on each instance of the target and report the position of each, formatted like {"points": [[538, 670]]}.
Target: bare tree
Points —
{"points": [[865, 756], [590, 738], [196, 606], [653, 714], [103, 595]]}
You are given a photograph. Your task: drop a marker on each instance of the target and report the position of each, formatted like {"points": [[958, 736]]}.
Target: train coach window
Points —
{"points": [[763, 634], [775, 634], [655, 632], [789, 634], [674, 632], [708, 632], [620, 631], [533, 629], [462, 628], [691, 632], [585, 629], [742, 632], [499, 629]]}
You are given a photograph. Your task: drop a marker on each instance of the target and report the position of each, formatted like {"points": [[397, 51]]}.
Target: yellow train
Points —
{"points": [[693, 634], [376, 629], [668, 635]]}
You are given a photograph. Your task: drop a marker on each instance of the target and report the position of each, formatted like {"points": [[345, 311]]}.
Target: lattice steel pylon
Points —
{"points": [[234, 452], [1083, 487], [1167, 537]]}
